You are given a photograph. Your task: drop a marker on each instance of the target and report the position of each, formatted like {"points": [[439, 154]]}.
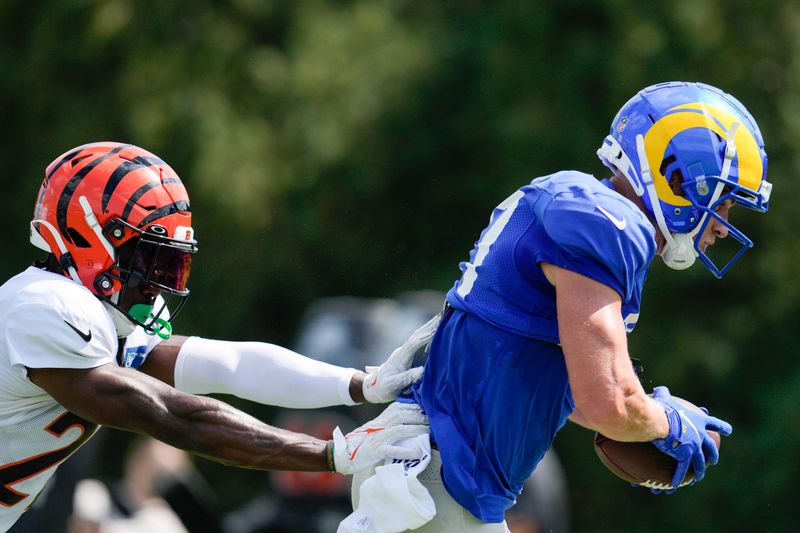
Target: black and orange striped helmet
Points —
{"points": [[115, 217]]}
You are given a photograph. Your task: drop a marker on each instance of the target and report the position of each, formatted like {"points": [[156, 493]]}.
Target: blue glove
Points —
{"points": [[688, 440]]}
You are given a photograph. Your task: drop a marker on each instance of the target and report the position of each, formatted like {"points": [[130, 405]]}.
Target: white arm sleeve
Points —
{"points": [[260, 372]]}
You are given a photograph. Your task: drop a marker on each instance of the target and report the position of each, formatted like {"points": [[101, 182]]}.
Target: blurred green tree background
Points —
{"points": [[357, 147]]}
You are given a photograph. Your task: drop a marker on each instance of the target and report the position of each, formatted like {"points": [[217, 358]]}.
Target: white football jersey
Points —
{"points": [[47, 321]]}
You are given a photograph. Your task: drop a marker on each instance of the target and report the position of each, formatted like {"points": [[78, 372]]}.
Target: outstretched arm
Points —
{"points": [[269, 374], [257, 371], [129, 400]]}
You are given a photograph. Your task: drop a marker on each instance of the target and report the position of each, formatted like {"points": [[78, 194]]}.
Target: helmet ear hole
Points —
{"points": [[676, 183], [674, 177], [77, 239], [666, 162]]}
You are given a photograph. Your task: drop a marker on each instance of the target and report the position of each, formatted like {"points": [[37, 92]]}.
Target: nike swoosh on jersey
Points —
{"points": [[619, 223], [85, 336]]}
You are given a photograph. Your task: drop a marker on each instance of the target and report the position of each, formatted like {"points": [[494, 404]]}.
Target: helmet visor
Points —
{"points": [[162, 265]]}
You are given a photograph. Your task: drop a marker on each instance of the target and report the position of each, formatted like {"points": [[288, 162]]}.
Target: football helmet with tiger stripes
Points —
{"points": [[686, 149], [116, 219]]}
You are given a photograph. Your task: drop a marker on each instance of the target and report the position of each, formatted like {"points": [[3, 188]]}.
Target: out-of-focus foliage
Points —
{"points": [[357, 147]]}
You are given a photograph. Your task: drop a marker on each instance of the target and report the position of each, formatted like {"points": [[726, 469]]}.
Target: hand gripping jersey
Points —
{"points": [[47, 321], [495, 384]]}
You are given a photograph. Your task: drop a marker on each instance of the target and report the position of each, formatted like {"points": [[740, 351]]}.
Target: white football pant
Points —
{"points": [[450, 516]]}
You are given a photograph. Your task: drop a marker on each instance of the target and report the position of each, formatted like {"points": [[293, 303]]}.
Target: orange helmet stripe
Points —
{"points": [[123, 170], [72, 184]]}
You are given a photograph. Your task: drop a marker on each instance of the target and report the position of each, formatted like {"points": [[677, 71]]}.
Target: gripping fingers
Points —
{"points": [[402, 356], [405, 431], [402, 452], [401, 413], [710, 449], [680, 472], [408, 377], [719, 425], [425, 333], [418, 339], [699, 464]]}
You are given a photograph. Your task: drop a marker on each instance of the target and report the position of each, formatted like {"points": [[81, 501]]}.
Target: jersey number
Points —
{"points": [[500, 217], [14, 473]]}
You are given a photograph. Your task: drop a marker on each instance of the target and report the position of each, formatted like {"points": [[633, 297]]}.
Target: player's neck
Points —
{"points": [[623, 187], [50, 264]]}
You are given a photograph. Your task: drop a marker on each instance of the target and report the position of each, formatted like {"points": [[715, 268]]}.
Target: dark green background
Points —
{"points": [[357, 147]]}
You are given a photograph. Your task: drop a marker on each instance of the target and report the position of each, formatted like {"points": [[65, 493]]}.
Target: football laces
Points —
{"points": [[660, 485]]}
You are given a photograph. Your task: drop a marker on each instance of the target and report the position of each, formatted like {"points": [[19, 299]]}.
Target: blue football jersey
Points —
{"points": [[571, 220], [495, 385]]}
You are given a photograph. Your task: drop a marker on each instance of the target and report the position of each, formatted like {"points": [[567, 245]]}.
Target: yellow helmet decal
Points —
{"points": [[701, 115]]}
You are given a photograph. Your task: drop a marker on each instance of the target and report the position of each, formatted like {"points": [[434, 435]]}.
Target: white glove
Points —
{"points": [[384, 383], [373, 442]]}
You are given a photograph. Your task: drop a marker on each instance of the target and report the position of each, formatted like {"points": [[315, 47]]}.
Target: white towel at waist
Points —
{"points": [[393, 499]]}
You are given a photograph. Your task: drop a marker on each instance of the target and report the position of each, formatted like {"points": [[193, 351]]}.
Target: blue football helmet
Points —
{"points": [[686, 148]]}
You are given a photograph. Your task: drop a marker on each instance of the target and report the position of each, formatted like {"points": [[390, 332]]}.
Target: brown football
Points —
{"points": [[641, 462]]}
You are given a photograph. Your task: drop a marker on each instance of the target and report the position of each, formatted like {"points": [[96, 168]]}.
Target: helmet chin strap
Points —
{"points": [[686, 241], [678, 252], [39, 241], [91, 220]]}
